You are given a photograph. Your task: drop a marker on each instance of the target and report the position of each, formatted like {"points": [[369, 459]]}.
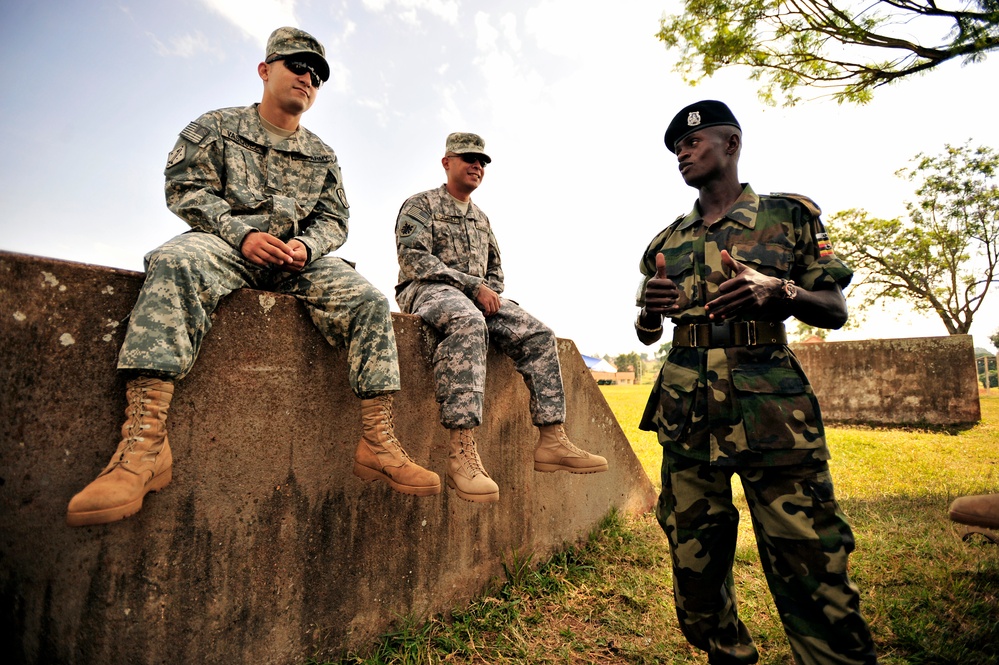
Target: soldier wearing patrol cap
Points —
{"points": [[450, 275], [265, 201], [731, 399]]}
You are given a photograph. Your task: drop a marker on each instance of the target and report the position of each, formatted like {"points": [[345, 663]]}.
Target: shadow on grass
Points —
{"points": [[931, 597]]}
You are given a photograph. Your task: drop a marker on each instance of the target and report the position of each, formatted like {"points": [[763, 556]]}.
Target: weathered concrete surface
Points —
{"points": [[914, 381], [265, 548]]}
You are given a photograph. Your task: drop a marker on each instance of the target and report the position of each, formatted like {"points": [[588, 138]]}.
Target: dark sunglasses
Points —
{"points": [[471, 158], [299, 67]]}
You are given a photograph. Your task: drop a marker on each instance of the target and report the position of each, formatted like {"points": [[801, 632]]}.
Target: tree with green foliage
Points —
{"points": [[803, 331], [995, 338], [663, 351], [848, 48], [945, 256], [632, 360]]}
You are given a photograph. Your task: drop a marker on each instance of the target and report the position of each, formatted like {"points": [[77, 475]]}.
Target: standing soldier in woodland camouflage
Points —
{"points": [[266, 203], [450, 276], [732, 399]]}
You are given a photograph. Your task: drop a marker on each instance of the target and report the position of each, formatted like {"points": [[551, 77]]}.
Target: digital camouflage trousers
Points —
{"points": [[187, 277], [803, 541], [460, 357]]}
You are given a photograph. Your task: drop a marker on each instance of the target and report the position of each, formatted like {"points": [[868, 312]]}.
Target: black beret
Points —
{"points": [[708, 113]]}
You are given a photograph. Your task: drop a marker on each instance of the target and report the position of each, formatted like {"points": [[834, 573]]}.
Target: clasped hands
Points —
{"points": [[746, 289], [263, 249]]}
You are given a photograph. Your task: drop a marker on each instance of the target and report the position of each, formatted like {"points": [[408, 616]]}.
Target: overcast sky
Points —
{"points": [[571, 96]]}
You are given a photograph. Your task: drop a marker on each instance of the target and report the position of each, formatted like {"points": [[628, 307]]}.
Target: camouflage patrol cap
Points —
{"points": [[463, 143], [292, 41], [707, 113]]}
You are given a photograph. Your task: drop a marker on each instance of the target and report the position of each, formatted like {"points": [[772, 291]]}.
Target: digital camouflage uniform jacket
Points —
{"points": [[740, 406], [439, 244], [225, 177]]}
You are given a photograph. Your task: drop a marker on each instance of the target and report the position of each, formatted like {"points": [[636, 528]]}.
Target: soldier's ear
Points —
{"points": [[263, 69], [733, 144]]}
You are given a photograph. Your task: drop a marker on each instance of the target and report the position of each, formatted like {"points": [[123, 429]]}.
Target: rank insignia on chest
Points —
{"points": [[176, 157]]}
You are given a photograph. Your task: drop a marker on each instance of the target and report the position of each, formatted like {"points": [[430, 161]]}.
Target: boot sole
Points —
{"points": [[973, 520], [155, 484], [492, 497], [545, 467], [368, 475]]}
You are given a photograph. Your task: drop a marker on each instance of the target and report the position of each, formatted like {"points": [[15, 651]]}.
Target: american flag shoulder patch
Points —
{"points": [[194, 133]]}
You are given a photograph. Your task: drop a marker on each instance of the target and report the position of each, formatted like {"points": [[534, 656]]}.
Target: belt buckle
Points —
{"points": [[721, 335], [744, 333]]}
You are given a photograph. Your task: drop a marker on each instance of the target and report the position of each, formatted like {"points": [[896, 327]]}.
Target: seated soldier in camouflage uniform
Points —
{"points": [[450, 275], [731, 398], [265, 202]]}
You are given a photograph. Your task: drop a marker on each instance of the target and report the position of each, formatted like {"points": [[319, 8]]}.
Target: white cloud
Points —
{"points": [[509, 24], [257, 18], [449, 113], [486, 35], [188, 46], [446, 10]]}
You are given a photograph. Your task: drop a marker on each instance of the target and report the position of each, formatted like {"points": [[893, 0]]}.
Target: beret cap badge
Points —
{"points": [[695, 117]]}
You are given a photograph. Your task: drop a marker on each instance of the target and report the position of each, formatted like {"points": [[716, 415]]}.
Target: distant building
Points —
{"points": [[605, 373]]}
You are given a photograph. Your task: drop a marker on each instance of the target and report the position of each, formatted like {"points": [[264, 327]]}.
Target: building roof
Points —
{"points": [[598, 365]]}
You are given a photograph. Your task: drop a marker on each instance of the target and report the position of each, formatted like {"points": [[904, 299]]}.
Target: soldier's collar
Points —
{"points": [[743, 211]]}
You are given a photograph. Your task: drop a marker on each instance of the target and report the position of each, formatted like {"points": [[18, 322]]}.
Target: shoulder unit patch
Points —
{"points": [[176, 156]]}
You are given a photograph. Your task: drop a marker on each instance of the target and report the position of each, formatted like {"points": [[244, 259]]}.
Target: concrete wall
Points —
{"points": [[265, 548], [917, 381]]}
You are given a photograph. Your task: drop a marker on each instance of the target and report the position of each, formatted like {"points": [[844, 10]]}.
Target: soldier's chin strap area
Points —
{"points": [[729, 333]]}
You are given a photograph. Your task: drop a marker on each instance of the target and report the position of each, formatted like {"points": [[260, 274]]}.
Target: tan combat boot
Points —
{"points": [[465, 474], [978, 510], [380, 456], [143, 462], [555, 452]]}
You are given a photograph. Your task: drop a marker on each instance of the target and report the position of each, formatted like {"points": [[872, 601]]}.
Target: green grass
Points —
{"points": [[929, 597]]}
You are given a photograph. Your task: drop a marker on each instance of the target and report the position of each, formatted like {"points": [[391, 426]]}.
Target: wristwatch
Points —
{"points": [[789, 289]]}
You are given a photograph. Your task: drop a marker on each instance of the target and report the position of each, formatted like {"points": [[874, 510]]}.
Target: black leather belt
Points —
{"points": [[729, 333]]}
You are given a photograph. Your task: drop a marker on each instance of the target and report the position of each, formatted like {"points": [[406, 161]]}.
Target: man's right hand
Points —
{"points": [[661, 293], [487, 299], [263, 249]]}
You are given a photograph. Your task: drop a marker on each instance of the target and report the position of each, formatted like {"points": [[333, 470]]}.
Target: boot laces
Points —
{"points": [[469, 455], [563, 438], [388, 428], [137, 400]]}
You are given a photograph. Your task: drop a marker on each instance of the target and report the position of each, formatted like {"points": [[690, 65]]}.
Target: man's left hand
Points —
{"points": [[747, 289], [300, 254]]}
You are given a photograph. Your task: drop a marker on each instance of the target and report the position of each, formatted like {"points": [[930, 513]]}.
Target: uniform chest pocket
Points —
{"points": [[678, 263], [301, 179], [770, 258], [247, 191], [448, 240], [680, 270]]}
